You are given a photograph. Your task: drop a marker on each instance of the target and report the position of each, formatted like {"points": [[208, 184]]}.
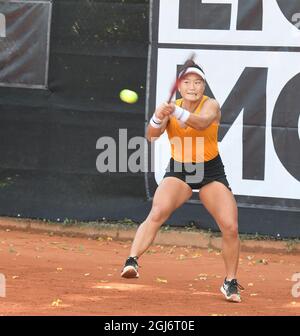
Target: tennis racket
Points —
{"points": [[189, 62]]}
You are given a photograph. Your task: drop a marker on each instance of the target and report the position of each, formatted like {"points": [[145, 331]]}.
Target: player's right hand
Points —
{"points": [[164, 110]]}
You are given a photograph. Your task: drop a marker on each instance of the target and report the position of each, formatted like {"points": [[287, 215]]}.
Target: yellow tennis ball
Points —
{"points": [[128, 96]]}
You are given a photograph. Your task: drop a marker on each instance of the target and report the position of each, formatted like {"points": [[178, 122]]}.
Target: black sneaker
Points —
{"points": [[130, 269], [230, 289]]}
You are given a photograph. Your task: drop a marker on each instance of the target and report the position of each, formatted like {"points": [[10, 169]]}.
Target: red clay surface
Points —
{"points": [[55, 275]]}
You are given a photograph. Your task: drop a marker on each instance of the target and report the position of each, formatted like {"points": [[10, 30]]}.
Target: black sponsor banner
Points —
{"points": [[48, 138]]}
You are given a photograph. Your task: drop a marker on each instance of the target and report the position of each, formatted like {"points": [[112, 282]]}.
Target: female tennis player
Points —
{"points": [[193, 117]]}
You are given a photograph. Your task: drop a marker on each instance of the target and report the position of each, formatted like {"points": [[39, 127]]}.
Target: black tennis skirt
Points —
{"points": [[197, 175]]}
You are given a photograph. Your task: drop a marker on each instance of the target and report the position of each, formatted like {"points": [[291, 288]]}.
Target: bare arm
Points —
{"points": [[210, 112], [154, 133], [162, 112]]}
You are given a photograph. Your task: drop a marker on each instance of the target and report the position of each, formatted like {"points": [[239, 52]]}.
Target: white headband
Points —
{"points": [[193, 70]]}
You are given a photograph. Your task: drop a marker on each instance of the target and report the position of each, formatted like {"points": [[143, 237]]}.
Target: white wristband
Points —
{"points": [[181, 114], [155, 122]]}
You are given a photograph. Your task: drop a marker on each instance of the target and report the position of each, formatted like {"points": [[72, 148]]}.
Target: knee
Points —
{"points": [[159, 213], [230, 229]]}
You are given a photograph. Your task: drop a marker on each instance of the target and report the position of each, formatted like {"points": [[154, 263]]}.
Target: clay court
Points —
{"points": [[48, 274]]}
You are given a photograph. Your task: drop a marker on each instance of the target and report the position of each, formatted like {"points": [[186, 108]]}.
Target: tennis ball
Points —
{"points": [[128, 96]]}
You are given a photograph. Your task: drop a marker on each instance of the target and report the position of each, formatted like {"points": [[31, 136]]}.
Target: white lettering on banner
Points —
{"points": [[2, 25], [223, 22]]}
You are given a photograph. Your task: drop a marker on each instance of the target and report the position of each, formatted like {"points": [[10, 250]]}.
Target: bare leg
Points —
{"points": [[220, 202], [170, 194]]}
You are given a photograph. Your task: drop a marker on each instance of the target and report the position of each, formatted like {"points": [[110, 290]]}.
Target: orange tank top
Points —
{"points": [[189, 144]]}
